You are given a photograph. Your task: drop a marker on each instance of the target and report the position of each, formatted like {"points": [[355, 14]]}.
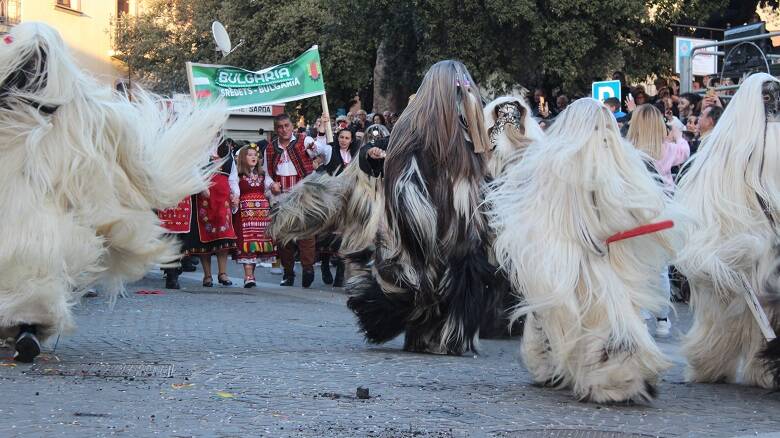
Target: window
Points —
{"points": [[73, 5], [10, 11], [122, 7]]}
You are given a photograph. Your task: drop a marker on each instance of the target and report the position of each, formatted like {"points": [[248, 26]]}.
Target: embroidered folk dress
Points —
{"points": [[252, 219], [212, 219]]}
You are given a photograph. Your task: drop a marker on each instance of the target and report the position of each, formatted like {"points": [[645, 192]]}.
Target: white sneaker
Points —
{"points": [[662, 328], [277, 271]]}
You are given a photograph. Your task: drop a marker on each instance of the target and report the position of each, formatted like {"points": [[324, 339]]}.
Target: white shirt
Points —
{"points": [[345, 156], [233, 181], [233, 177], [287, 168]]}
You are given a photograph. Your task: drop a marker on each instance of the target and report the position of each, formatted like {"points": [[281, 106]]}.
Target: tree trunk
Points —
{"points": [[383, 92]]}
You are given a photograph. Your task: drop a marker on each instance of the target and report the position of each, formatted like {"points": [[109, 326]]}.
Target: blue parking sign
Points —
{"points": [[603, 90]]}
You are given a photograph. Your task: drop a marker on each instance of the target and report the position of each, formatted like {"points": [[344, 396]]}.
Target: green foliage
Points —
{"points": [[505, 43], [156, 45]]}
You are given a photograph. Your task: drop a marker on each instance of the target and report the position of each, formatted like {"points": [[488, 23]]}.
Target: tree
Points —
{"points": [[157, 44], [380, 49]]}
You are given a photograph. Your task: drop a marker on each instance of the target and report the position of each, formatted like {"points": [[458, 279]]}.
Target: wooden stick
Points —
{"points": [[328, 129]]}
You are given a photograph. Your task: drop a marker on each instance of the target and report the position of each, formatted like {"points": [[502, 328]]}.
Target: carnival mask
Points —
{"points": [[507, 113], [771, 95], [374, 133]]}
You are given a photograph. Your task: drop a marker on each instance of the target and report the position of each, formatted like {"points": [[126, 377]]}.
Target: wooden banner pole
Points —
{"points": [[328, 129]]}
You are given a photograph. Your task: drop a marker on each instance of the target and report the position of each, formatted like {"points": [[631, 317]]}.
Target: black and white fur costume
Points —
{"points": [[353, 202], [349, 203], [430, 276]]}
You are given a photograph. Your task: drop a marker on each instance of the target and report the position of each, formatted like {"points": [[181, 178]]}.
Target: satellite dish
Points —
{"points": [[221, 38]]}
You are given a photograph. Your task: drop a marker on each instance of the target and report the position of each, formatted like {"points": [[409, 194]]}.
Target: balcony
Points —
{"points": [[10, 14]]}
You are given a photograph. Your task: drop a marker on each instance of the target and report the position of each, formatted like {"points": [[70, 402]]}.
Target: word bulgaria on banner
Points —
{"points": [[239, 88]]}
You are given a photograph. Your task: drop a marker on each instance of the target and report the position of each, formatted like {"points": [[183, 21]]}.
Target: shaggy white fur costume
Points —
{"points": [[732, 175], [509, 139], [81, 173], [553, 213], [511, 129]]}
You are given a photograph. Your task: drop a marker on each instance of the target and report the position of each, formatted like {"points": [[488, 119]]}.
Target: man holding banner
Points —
{"points": [[288, 159]]}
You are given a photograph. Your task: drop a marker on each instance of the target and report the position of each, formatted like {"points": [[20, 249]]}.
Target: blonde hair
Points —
{"points": [[647, 131], [241, 161]]}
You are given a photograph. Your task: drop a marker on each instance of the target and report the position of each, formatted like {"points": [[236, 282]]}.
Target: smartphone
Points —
{"points": [[710, 92], [541, 100]]}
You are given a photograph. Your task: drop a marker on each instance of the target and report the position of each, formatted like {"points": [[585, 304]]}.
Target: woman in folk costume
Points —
{"points": [[732, 190], [253, 216], [176, 222], [430, 276], [211, 226], [554, 214], [83, 170]]}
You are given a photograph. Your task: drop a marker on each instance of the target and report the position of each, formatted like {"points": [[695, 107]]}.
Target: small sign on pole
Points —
{"points": [[703, 64], [603, 90]]}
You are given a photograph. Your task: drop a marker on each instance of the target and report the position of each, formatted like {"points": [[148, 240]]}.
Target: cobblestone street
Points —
{"points": [[278, 361]]}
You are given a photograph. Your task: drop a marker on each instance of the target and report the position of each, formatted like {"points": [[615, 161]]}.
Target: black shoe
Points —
{"points": [[327, 277], [307, 279], [188, 264], [224, 279], [172, 279], [288, 280], [339, 280], [27, 345]]}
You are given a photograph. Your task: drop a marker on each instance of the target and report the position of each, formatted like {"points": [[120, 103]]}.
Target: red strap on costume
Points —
{"points": [[150, 292], [641, 230]]}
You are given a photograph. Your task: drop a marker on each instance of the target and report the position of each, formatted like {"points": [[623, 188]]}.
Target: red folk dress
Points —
{"points": [[253, 219], [212, 222], [177, 220]]}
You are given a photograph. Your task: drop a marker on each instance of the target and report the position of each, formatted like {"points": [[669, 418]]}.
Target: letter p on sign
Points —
{"points": [[603, 90]]}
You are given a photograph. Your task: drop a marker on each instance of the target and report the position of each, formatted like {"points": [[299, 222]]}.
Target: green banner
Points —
{"points": [[239, 88]]}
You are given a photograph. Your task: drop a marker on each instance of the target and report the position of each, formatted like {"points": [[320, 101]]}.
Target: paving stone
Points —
{"points": [[276, 361]]}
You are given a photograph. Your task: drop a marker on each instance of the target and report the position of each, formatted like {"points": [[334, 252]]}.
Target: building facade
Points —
{"points": [[85, 25]]}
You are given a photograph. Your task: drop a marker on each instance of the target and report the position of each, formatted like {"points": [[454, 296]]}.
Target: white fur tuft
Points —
{"points": [[82, 182]]}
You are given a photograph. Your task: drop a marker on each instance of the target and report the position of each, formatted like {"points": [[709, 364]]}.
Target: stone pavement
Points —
{"points": [[278, 361]]}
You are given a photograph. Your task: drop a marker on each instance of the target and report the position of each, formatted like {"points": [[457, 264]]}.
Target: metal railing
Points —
{"points": [[686, 64]]}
